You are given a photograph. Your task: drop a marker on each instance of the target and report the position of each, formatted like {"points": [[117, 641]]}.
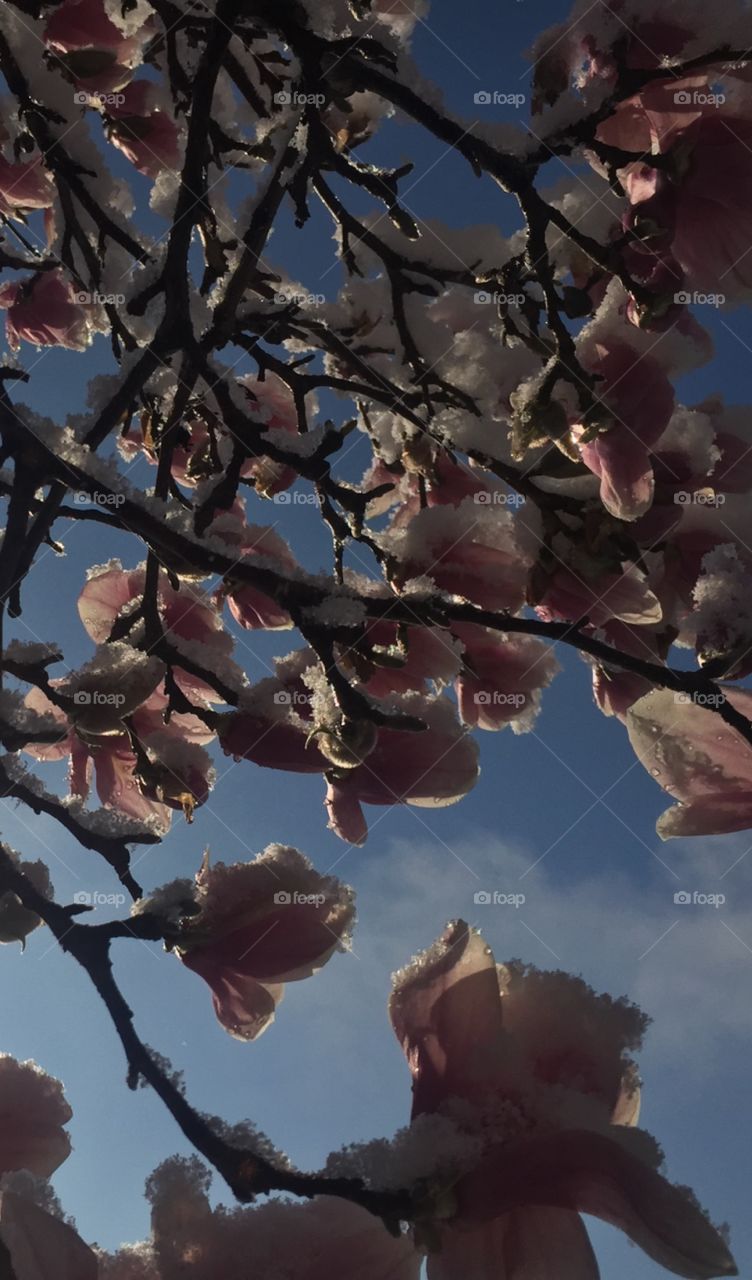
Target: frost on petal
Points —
{"points": [[16, 920], [699, 759], [258, 925], [33, 1111], [447, 1015]]}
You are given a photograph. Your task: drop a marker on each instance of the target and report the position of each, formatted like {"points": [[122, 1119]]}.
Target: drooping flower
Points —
{"points": [[537, 1067], [25, 186], [699, 759], [253, 926], [43, 309], [143, 131], [96, 53], [16, 920], [502, 678]]}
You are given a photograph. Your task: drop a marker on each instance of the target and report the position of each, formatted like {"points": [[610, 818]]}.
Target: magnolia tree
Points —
{"points": [[530, 481]]}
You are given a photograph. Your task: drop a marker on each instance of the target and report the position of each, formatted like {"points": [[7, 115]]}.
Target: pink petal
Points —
{"points": [[41, 1247], [526, 1244], [446, 1011]]}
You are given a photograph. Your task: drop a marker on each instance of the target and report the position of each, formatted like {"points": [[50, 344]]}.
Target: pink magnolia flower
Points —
{"points": [[257, 925], [699, 759], [33, 1111], [589, 589], [95, 51], [40, 1246], [637, 400], [429, 769], [508, 1056], [146, 134], [262, 547], [43, 309], [173, 772], [190, 619], [390, 659], [502, 677], [273, 723], [317, 1240], [475, 550], [705, 208], [25, 186], [270, 401]]}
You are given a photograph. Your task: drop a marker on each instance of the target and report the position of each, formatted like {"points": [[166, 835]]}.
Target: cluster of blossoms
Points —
{"points": [[525, 1106], [510, 467]]}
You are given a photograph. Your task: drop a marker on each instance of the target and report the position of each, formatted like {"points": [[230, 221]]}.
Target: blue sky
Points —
{"points": [[564, 815]]}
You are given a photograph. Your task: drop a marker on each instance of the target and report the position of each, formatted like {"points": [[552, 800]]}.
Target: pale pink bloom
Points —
{"points": [[146, 134], [502, 677], [25, 186], [428, 769], [255, 545], [637, 401], [259, 925], [592, 591], [614, 689], [188, 616], [43, 310], [322, 1239], [384, 663], [473, 550], [180, 775], [273, 723], [40, 1246], [33, 1111], [510, 1055], [271, 402], [96, 52], [699, 759]]}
